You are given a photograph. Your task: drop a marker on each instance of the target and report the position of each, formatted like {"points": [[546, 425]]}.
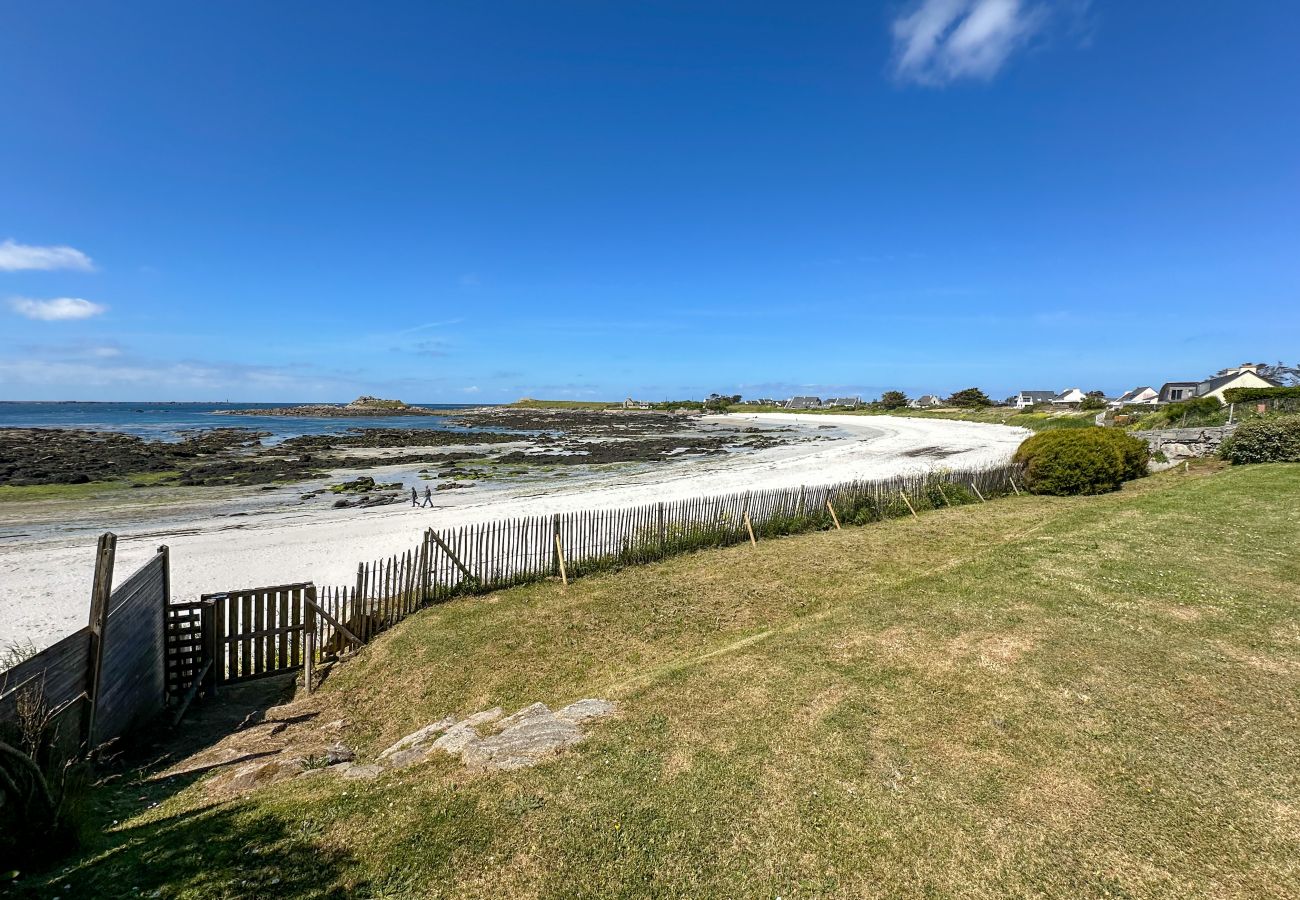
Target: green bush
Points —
{"points": [[1253, 395], [1092, 403], [1274, 439], [1081, 461]]}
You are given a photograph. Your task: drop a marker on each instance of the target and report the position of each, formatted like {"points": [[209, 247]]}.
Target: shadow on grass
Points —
{"points": [[229, 850]]}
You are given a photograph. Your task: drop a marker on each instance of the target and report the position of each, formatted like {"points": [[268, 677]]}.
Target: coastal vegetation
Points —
{"points": [[529, 403], [1273, 439], [1081, 461], [996, 699], [1033, 419]]}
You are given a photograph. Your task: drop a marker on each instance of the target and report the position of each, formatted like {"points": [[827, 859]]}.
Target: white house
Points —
{"points": [[1146, 396], [1245, 375], [1068, 396], [1026, 399], [925, 401]]}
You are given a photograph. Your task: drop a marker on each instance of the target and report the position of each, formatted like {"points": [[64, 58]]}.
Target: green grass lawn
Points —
{"points": [[1064, 697]]}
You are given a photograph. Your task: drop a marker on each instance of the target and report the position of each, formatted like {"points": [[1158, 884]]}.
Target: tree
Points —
{"points": [[1287, 376], [720, 402], [970, 398], [893, 400]]}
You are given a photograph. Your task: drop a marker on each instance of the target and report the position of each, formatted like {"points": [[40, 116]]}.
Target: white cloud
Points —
{"points": [[939, 41], [15, 257], [60, 309]]}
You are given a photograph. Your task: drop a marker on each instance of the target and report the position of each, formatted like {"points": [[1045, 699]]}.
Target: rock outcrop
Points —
{"points": [[486, 741]]}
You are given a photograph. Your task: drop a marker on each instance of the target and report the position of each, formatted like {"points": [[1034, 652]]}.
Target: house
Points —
{"points": [[803, 403], [1031, 398], [1244, 376], [1146, 396], [844, 402], [925, 401], [629, 403], [1069, 396], [1174, 391]]}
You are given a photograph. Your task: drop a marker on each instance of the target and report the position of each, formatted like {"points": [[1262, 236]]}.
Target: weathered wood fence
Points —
{"points": [[98, 683]]}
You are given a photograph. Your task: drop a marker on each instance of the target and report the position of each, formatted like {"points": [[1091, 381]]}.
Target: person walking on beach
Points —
{"points": [[428, 498], [414, 501]]}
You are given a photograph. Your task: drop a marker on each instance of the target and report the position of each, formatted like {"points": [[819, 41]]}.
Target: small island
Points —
{"points": [[362, 406]]}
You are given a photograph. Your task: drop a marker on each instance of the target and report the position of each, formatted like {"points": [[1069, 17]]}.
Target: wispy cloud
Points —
{"points": [[940, 41], [446, 323], [15, 257], [60, 309]]}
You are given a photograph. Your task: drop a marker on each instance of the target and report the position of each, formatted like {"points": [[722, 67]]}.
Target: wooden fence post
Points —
{"points": [[977, 493], [208, 625], [557, 561], [663, 531], [363, 616], [834, 518], [910, 508], [166, 601], [427, 567], [750, 526], [559, 555], [1013, 485], [309, 633], [100, 593]]}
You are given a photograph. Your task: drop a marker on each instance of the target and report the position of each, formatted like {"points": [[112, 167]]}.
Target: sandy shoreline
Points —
{"points": [[46, 579]]}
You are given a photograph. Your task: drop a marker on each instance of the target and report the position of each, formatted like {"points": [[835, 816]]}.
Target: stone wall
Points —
{"points": [[1178, 444]]}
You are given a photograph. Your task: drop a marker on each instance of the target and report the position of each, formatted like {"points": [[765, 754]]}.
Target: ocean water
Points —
{"points": [[169, 421]]}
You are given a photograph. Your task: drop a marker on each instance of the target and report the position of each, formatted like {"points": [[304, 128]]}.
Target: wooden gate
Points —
{"points": [[185, 645], [259, 631]]}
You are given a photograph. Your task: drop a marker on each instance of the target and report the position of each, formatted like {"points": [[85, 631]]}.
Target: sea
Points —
{"points": [[171, 421]]}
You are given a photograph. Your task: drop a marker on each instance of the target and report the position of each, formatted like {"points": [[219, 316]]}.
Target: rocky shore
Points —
{"points": [[540, 441], [220, 456]]}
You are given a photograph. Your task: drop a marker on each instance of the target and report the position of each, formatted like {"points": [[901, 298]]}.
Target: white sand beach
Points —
{"points": [[45, 579]]}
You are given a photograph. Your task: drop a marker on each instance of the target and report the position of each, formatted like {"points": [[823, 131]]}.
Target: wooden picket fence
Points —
{"points": [[489, 556], [239, 635]]}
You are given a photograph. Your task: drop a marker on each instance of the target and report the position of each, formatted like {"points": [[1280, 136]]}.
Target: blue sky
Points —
{"points": [[477, 202]]}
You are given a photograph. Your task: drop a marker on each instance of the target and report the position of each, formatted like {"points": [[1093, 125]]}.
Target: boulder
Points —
{"points": [[338, 753], [422, 736], [410, 756], [256, 775], [523, 742], [455, 740], [354, 772], [584, 710]]}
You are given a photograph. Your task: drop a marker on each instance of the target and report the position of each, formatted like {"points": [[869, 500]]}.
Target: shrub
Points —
{"points": [[1264, 440], [1252, 395], [1081, 461], [1092, 403]]}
